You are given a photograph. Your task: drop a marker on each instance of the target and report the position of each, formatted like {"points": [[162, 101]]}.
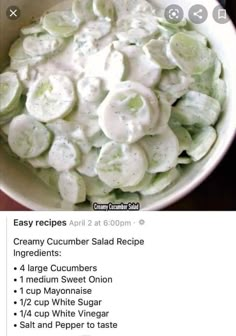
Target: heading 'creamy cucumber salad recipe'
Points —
{"points": [[108, 105]]}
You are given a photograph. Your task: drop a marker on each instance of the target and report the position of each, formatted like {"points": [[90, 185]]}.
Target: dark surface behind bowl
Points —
{"points": [[218, 192]]}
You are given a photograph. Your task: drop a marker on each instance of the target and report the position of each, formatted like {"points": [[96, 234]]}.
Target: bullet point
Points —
{"points": [[15, 314], [15, 325], [15, 291], [15, 280], [15, 302], [15, 268]]}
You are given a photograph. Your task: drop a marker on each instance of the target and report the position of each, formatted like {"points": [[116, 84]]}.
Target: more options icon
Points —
{"points": [[220, 15], [174, 14]]}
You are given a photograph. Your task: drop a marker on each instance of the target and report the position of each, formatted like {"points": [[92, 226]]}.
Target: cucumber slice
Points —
{"points": [[162, 122], [158, 51], [86, 119], [125, 116], [193, 129], [210, 83], [166, 32], [217, 69], [196, 35], [34, 28], [87, 129], [10, 92], [40, 161], [80, 137], [196, 108], [91, 125], [88, 163], [83, 10], [191, 55], [162, 151], [87, 40], [141, 186], [104, 8], [135, 119], [147, 93], [204, 83], [114, 68], [28, 63], [160, 182], [72, 187], [24, 73], [51, 98], [41, 45], [202, 143], [140, 68], [138, 29], [60, 24], [143, 6], [174, 84], [91, 89], [50, 177], [133, 7], [84, 45], [175, 25], [99, 140], [174, 122], [97, 29], [5, 130], [219, 91], [117, 164], [63, 155], [7, 117], [95, 187], [62, 127], [184, 161], [17, 51], [27, 137], [184, 138], [111, 66]]}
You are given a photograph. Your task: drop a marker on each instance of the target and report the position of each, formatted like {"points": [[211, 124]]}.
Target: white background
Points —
{"points": [[182, 282]]}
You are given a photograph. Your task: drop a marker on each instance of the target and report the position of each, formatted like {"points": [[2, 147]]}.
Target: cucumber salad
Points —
{"points": [[108, 101]]}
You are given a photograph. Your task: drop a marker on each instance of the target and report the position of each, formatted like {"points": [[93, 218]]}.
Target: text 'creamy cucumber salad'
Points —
{"points": [[108, 102]]}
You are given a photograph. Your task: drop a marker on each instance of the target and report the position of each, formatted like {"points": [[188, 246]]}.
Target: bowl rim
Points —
{"points": [[159, 205]]}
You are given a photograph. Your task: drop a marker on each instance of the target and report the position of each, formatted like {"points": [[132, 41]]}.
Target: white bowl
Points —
{"points": [[21, 185]]}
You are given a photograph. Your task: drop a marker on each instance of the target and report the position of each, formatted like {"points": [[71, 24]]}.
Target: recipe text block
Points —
{"points": [[88, 274]]}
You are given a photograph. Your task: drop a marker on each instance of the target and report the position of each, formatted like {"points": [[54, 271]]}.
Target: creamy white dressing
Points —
{"points": [[76, 65], [140, 67], [101, 77]]}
